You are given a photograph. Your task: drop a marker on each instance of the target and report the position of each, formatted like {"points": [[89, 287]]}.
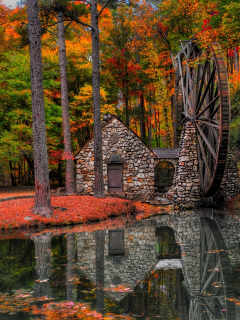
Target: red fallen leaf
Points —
{"points": [[85, 208]]}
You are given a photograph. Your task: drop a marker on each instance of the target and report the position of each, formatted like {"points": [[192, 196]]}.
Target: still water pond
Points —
{"points": [[180, 266]]}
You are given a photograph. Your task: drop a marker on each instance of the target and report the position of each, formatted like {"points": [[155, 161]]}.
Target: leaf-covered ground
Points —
{"points": [[69, 210]]}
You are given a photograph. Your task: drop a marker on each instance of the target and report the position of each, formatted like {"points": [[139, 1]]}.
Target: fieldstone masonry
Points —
{"points": [[185, 190], [137, 159], [230, 186], [139, 169]]}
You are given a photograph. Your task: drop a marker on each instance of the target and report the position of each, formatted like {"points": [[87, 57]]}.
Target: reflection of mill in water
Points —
{"points": [[203, 259], [127, 256]]}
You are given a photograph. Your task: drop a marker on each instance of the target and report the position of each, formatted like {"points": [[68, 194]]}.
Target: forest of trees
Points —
{"points": [[135, 39]]}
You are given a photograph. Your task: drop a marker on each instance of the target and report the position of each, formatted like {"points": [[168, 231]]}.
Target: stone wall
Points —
{"points": [[230, 186], [137, 159], [139, 169], [185, 191]]}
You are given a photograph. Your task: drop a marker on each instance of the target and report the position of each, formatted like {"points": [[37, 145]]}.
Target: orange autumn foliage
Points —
{"points": [[24, 302]]}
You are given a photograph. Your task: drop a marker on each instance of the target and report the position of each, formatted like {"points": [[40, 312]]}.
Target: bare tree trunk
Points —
{"points": [[142, 116], [12, 174], [127, 110], [42, 202], [100, 241], [98, 161], [59, 173], [70, 183], [150, 126]]}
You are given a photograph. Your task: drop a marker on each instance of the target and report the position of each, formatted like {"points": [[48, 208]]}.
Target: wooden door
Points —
{"points": [[115, 177]]}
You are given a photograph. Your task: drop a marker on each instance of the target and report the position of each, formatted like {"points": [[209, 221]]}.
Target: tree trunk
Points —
{"points": [[98, 161], [150, 126], [100, 242], [70, 183], [12, 175], [142, 115], [42, 201], [43, 263], [59, 173], [127, 111]]}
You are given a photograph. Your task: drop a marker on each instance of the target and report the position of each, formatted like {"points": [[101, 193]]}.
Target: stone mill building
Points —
{"points": [[131, 170]]}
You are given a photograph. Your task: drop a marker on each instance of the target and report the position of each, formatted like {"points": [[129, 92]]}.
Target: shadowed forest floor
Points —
{"points": [[6, 192]]}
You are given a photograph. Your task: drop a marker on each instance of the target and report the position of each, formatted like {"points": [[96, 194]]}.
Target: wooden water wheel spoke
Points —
{"points": [[205, 91], [207, 107], [214, 111], [205, 139], [205, 94], [199, 92], [207, 123], [204, 157], [183, 120]]}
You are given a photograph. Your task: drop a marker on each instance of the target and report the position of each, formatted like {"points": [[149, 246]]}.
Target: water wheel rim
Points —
{"points": [[209, 178], [223, 141]]}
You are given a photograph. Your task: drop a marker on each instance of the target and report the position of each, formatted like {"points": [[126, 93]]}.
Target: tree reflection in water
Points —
{"points": [[43, 264]]}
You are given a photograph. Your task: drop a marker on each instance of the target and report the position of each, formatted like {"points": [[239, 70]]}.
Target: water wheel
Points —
{"points": [[217, 293], [202, 87]]}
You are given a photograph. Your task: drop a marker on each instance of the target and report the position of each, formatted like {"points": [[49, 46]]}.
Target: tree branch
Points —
{"points": [[68, 24], [78, 21], [104, 7], [51, 25], [51, 32]]}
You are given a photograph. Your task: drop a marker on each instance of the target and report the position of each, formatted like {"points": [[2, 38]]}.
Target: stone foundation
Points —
{"points": [[229, 188]]}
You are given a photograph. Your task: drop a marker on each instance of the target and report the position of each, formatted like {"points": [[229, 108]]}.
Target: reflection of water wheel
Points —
{"points": [[202, 80], [216, 293]]}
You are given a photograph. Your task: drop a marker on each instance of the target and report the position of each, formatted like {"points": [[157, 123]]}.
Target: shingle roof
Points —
{"points": [[166, 153]]}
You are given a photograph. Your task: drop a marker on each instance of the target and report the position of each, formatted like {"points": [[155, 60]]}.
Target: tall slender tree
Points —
{"points": [[70, 184], [98, 159], [42, 202]]}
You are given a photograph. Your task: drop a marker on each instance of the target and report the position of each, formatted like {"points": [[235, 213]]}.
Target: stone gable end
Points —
{"points": [[137, 159]]}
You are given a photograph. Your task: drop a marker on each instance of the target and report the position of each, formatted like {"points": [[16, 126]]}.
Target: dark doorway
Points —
{"points": [[164, 172], [115, 177]]}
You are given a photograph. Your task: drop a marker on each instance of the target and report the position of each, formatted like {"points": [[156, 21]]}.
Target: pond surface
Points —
{"points": [[180, 266]]}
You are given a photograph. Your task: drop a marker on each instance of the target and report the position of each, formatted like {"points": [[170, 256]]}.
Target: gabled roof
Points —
{"points": [[104, 126], [166, 153]]}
